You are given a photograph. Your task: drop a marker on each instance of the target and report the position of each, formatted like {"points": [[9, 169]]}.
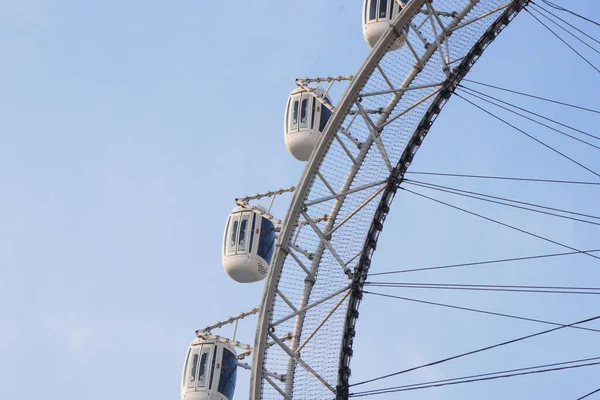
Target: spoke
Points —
{"points": [[561, 366], [530, 136], [505, 202], [501, 223], [589, 394], [487, 262], [479, 350], [481, 311], [505, 178]]}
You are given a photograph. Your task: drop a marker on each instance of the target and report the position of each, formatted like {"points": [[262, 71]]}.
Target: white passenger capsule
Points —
{"points": [[377, 15], [305, 119], [248, 245], [209, 372]]}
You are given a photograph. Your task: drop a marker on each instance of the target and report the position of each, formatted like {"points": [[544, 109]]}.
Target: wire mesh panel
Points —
{"points": [[314, 288]]}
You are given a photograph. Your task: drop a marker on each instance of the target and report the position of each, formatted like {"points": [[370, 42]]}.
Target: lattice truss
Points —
{"points": [[368, 144]]}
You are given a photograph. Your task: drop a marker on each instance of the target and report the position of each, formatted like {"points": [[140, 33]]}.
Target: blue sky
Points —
{"points": [[127, 130]]}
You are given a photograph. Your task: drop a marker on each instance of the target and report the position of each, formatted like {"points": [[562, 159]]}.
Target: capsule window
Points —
{"points": [[267, 240], [325, 115], [295, 106], [228, 374], [202, 370], [372, 10], [193, 365], [304, 112], [242, 236], [383, 9], [233, 234]]}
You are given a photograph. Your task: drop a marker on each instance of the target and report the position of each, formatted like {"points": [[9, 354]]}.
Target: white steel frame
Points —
{"points": [[436, 46]]}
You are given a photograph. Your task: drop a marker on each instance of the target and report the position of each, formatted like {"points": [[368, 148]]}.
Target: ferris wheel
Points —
{"points": [[315, 261]]}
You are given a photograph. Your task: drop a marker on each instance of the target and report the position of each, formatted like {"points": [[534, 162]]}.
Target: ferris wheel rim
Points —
{"points": [[394, 181], [394, 178]]}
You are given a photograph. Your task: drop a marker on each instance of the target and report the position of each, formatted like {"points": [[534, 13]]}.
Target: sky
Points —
{"points": [[128, 128]]}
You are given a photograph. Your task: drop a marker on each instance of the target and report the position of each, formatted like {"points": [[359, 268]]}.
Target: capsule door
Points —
{"points": [[304, 122], [300, 113], [197, 374], [378, 10], [239, 235], [244, 236]]}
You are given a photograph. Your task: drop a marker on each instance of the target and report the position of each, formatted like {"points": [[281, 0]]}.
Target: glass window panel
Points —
{"points": [[325, 115], [202, 365], [372, 10], [304, 112], [228, 374], [295, 114], [233, 234], [243, 228], [195, 355], [392, 6], [267, 240], [383, 9]]}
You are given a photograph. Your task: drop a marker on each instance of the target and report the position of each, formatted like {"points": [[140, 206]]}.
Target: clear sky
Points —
{"points": [[127, 129]]}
